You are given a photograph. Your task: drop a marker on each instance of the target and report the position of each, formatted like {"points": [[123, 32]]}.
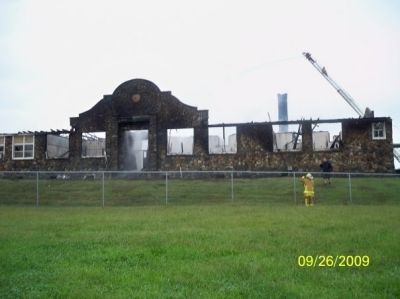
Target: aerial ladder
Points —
{"points": [[341, 91], [368, 112]]}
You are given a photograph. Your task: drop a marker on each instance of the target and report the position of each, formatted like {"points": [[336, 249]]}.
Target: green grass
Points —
{"points": [[207, 251], [202, 244], [152, 191]]}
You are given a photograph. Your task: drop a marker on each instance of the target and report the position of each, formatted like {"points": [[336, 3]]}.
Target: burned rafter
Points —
{"points": [[296, 139], [335, 141], [58, 131]]}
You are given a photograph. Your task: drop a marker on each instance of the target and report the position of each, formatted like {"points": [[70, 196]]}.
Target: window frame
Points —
{"points": [[383, 137], [23, 144]]}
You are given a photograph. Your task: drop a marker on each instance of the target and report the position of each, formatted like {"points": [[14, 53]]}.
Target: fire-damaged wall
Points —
{"points": [[138, 108]]}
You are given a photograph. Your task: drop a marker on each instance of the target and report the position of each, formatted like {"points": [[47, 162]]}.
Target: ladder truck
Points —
{"points": [[368, 113], [341, 91]]}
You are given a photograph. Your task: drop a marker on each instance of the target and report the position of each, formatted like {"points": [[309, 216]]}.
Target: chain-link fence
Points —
{"points": [[126, 188]]}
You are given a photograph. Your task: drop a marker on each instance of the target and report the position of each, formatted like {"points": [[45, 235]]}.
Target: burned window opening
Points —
{"points": [[93, 145], [288, 140], [222, 140], [327, 137], [180, 141], [57, 146]]}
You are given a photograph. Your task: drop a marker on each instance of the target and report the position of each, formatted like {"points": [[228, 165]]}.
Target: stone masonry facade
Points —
{"points": [[139, 104]]}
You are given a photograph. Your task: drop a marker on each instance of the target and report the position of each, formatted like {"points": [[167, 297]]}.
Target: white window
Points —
{"points": [[180, 141], [23, 147], [94, 145], [378, 130], [2, 145]]}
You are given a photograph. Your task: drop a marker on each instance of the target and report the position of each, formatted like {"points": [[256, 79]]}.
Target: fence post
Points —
{"points": [[294, 188], [102, 187], [166, 187], [37, 189], [350, 194], [232, 194]]}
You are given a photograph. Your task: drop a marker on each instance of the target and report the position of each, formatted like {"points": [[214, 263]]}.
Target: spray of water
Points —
{"points": [[134, 149]]}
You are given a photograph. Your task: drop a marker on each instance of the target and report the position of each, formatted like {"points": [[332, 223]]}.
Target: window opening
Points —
{"points": [[57, 146], [287, 141], [326, 136], [222, 140], [180, 141], [94, 144]]}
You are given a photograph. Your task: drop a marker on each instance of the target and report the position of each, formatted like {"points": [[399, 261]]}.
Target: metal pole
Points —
{"points": [[103, 189], [37, 189], [294, 188], [350, 195], [166, 188], [232, 194]]}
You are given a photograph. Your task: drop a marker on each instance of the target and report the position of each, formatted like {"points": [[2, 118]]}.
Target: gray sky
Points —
{"points": [[58, 58]]}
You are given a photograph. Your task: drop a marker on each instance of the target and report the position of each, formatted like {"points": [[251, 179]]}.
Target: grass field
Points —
{"points": [[153, 191], [200, 245], [206, 251]]}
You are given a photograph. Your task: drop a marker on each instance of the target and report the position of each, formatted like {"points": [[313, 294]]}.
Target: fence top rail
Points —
{"points": [[232, 171]]}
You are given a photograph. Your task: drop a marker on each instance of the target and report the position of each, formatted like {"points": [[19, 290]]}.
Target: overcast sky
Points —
{"points": [[58, 58]]}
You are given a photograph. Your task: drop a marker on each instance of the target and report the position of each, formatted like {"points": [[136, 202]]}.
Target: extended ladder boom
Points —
{"points": [[343, 93], [396, 155]]}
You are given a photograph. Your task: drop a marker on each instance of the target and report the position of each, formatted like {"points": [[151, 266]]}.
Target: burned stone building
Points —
{"points": [[139, 127]]}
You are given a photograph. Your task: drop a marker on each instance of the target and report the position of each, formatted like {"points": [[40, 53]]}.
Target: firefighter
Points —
{"points": [[326, 168], [308, 182]]}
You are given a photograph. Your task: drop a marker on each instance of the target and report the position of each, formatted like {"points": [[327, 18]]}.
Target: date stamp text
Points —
{"points": [[333, 260]]}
